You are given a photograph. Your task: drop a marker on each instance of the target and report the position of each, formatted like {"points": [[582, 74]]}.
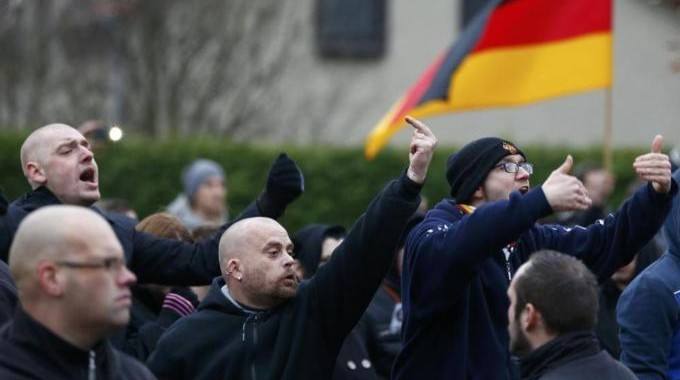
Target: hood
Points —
{"points": [[307, 242], [215, 299], [671, 227]]}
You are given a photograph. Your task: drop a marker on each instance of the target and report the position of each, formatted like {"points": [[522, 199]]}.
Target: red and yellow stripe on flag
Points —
{"points": [[515, 52]]}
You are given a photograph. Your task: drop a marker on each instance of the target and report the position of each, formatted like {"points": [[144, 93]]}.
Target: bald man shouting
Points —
{"points": [[259, 322], [74, 291], [60, 167]]}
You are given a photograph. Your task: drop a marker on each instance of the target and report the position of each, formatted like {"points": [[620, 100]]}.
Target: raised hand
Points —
{"points": [[565, 192], [655, 167], [422, 147], [285, 183]]}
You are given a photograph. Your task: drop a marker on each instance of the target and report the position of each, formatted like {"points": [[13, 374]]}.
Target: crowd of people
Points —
{"points": [[500, 280]]}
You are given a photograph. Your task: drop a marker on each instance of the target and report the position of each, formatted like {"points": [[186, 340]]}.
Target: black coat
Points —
{"points": [[383, 335], [8, 294], [573, 356], [31, 351], [299, 339], [152, 259]]}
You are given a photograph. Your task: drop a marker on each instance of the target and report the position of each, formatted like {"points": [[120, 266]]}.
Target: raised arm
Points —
{"points": [[611, 243], [342, 289]]}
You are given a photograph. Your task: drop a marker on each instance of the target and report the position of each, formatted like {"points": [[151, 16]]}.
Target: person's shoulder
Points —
{"points": [[600, 365], [661, 275]]}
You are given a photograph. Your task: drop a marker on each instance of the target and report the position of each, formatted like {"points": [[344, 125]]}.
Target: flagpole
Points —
{"points": [[607, 145]]}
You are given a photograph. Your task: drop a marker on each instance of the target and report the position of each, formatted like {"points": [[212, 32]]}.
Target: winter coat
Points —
{"points": [[573, 356], [649, 311], [458, 266], [31, 351], [300, 338]]}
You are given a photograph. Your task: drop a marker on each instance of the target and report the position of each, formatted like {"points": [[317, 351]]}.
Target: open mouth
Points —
{"points": [[88, 175], [523, 190]]}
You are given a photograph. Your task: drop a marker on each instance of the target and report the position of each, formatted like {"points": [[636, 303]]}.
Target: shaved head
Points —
{"points": [[35, 148], [70, 273], [245, 234], [59, 158], [256, 262], [53, 233]]}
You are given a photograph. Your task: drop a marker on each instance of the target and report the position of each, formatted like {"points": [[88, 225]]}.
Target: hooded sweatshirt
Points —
{"points": [[649, 311], [458, 265], [300, 338]]}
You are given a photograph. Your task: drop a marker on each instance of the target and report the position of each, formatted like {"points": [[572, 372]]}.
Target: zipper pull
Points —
{"points": [[92, 373]]}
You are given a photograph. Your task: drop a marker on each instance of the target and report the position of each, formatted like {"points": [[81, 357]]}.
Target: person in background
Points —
{"points": [[383, 319], [156, 307], [204, 199]]}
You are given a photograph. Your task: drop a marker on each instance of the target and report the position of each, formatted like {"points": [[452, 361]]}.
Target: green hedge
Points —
{"points": [[339, 182]]}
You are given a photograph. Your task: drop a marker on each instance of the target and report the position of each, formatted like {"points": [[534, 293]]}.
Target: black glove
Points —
{"points": [[285, 183]]}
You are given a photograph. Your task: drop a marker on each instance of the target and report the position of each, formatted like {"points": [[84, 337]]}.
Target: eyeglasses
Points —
{"points": [[513, 167], [111, 264]]}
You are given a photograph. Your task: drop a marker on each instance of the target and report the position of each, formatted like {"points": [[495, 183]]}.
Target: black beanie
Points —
{"points": [[467, 169]]}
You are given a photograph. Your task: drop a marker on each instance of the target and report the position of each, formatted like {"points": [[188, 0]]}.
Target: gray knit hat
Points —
{"points": [[197, 173]]}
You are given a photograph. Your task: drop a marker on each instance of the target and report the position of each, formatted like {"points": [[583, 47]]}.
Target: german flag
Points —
{"points": [[514, 52]]}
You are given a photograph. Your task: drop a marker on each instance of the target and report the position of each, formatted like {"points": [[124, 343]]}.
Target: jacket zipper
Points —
{"points": [[92, 372], [507, 251]]}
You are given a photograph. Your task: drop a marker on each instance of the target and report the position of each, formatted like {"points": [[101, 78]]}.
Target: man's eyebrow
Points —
{"points": [[69, 143]]}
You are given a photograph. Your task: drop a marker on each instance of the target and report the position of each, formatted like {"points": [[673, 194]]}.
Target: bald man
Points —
{"points": [[74, 291], [60, 167], [259, 321]]}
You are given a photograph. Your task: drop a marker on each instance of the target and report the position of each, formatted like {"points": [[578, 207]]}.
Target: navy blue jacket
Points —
{"points": [[649, 311], [456, 276], [299, 339], [153, 259]]}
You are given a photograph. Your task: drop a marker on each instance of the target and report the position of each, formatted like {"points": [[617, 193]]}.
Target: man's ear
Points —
{"points": [[35, 173], [531, 318], [49, 279], [234, 269], [478, 195]]}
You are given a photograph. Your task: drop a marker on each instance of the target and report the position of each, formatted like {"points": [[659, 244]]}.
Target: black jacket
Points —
{"points": [[300, 338], [152, 259], [31, 351], [8, 294], [573, 356]]}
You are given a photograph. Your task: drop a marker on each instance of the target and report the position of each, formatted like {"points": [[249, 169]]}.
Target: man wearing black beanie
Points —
{"points": [[460, 260]]}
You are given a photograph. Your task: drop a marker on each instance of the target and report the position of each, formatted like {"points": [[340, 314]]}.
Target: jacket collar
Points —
{"points": [[33, 335], [559, 351], [35, 199]]}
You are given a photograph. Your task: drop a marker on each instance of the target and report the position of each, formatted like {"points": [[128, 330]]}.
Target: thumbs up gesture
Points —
{"points": [[565, 192], [655, 167]]}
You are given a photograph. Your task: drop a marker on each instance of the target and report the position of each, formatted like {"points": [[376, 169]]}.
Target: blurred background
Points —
{"points": [[239, 80]]}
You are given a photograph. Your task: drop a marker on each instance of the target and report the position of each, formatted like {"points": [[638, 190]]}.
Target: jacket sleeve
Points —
{"points": [[172, 262], [647, 314], [442, 256], [612, 242], [342, 289]]}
